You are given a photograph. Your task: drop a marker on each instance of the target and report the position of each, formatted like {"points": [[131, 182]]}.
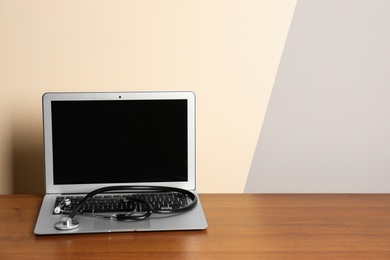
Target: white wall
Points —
{"points": [[327, 127], [227, 51]]}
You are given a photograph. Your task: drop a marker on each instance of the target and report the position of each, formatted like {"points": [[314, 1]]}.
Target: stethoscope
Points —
{"points": [[69, 223]]}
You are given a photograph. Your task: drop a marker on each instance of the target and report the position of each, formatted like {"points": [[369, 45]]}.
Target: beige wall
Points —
{"points": [[226, 51]]}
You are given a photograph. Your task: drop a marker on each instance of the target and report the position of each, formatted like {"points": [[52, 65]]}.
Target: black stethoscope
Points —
{"points": [[69, 223]]}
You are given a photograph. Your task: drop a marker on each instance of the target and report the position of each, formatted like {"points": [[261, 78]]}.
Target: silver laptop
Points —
{"points": [[99, 140]]}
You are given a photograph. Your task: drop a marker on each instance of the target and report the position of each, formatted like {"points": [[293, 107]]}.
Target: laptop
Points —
{"points": [[98, 140]]}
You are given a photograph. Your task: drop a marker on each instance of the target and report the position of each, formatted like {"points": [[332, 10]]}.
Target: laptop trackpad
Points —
{"points": [[113, 225]]}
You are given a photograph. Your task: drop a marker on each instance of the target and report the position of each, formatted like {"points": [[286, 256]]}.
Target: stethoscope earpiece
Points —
{"points": [[58, 209]]}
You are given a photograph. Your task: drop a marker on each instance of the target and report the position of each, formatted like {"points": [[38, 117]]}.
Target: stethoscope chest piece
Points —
{"points": [[67, 223]]}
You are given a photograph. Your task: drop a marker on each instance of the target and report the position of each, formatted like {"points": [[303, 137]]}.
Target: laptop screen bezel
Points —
{"points": [[47, 99]]}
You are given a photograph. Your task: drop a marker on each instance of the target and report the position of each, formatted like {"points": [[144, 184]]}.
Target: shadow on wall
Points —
{"points": [[27, 162]]}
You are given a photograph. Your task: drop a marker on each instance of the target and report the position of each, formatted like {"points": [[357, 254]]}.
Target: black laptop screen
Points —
{"points": [[121, 141]]}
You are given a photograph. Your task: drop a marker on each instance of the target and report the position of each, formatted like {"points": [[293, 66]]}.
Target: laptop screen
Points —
{"points": [[94, 140], [119, 141]]}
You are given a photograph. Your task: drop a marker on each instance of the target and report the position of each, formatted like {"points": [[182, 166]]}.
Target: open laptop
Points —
{"points": [[96, 140]]}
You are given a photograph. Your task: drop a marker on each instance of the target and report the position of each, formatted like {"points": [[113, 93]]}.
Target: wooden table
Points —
{"points": [[241, 226]]}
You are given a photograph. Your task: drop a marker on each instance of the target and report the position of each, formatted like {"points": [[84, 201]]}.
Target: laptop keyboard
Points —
{"points": [[123, 202]]}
